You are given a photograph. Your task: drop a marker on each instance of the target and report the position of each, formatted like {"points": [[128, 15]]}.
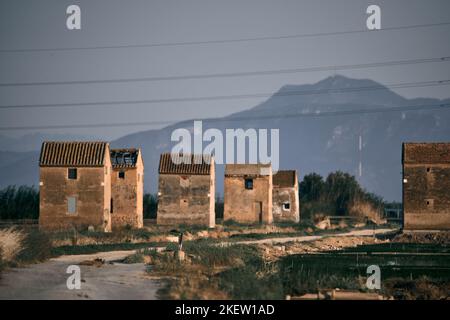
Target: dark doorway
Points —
{"points": [[258, 211]]}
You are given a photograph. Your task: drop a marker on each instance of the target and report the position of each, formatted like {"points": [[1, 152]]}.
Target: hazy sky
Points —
{"points": [[42, 24]]}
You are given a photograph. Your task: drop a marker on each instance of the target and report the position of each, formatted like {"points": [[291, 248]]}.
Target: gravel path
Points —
{"points": [[354, 233], [110, 280]]}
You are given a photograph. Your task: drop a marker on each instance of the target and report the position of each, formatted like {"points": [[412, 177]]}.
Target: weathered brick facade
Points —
{"points": [[426, 186], [285, 197], [75, 186], [127, 188], [248, 193], [186, 191]]}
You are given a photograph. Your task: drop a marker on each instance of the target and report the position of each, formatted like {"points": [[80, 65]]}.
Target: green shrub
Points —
{"points": [[244, 283], [303, 273], [216, 256], [150, 206], [333, 196], [172, 246], [166, 263], [142, 234], [138, 257]]}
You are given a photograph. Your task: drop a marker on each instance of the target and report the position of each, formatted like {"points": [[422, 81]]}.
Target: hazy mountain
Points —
{"points": [[315, 144], [327, 143]]}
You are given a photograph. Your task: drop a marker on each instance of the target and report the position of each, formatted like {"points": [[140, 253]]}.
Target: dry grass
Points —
{"points": [[198, 276], [11, 243], [272, 253], [75, 238], [158, 234], [418, 289], [442, 237], [365, 209]]}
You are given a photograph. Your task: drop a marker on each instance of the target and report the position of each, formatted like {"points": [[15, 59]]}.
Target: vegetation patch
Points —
{"points": [[19, 247], [260, 236], [93, 248], [2, 263], [252, 281], [84, 237], [201, 268], [212, 256], [423, 288], [37, 247], [346, 269], [210, 271], [150, 202], [19, 203], [138, 257], [338, 194], [11, 243]]}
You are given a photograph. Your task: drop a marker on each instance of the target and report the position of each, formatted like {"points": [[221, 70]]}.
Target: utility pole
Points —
{"points": [[360, 155]]}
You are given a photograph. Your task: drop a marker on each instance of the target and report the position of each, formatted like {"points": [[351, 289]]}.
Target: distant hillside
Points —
{"points": [[308, 144], [324, 144]]}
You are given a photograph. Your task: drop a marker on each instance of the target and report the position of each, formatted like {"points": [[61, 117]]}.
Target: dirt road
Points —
{"points": [[353, 233], [110, 280]]}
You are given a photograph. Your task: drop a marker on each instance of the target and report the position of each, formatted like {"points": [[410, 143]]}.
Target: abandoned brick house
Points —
{"points": [[248, 193], [426, 186], [285, 198], [186, 190], [75, 186], [127, 188]]}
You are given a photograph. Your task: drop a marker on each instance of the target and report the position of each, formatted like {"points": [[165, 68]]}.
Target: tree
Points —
{"points": [[19, 203], [150, 206], [312, 187], [334, 196], [342, 189]]}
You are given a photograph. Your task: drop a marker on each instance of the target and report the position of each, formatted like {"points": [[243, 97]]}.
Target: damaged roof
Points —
{"points": [[285, 178], [195, 164], [248, 169], [124, 158], [73, 153], [425, 152]]}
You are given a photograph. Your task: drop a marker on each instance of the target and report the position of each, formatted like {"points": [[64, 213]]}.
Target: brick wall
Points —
{"points": [[426, 186]]}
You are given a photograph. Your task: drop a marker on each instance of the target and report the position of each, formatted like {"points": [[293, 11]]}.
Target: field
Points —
{"points": [[236, 262]]}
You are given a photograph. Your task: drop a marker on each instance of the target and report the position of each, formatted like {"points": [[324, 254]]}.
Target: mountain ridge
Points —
{"points": [[321, 144]]}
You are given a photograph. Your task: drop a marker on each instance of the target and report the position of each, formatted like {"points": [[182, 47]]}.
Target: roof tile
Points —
{"points": [[185, 164], [73, 153]]}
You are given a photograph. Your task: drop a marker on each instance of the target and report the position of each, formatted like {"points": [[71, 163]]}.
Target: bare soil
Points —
{"points": [[105, 280]]}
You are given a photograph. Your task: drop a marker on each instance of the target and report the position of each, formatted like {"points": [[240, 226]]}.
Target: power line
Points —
{"points": [[225, 41], [240, 96], [235, 74], [231, 118]]}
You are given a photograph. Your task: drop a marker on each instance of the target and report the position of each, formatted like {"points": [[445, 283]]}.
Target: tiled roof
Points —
{"points": [[192, 164], [284, 178], [426, 153], [124, 158], [248, 169], [73, 153]]}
